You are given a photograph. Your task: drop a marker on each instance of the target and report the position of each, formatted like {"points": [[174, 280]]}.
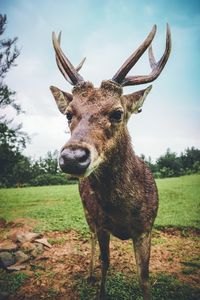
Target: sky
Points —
{"points": [[106, 32]]}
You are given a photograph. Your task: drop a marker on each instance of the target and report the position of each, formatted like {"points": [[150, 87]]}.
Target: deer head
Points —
{"points": [[97, 117]]}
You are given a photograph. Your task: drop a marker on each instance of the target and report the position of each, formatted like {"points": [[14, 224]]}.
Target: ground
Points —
{"points": [[61, 272]]}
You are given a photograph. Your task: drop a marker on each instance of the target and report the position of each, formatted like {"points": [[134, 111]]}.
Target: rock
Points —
{"points": [[39, 247], [21, 257], [28, 246], [42, 257], [6, 259], [27, 237], [2, 222], [38, 250], [44, 242], [28, 272], [16, 267], [7, 246]]}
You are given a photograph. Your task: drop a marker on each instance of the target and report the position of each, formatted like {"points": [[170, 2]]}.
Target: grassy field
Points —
{"points": [[59, 207], [179, 201]]}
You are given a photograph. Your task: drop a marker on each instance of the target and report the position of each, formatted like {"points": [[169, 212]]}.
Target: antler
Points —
{"points": [[157, 67], [67, 69]]}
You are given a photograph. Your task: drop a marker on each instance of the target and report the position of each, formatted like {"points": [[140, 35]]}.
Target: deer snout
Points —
{"points": [[74, 161]]}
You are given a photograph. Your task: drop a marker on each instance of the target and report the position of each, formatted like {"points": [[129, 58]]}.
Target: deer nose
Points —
{"points": [[74, 161]]}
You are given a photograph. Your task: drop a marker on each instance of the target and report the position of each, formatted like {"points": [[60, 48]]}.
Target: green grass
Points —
{"points": [[55, 207], [59, 207], [121, 287], [10, 283], [179, 202]]}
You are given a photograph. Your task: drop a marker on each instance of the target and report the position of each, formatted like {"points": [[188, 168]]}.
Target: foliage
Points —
{"points": [[10, 283], [48, 179], [172, 165], [13, 165], [59, 207], [8, 54], [19, 170]]}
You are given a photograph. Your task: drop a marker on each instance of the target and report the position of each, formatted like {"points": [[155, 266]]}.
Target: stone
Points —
{"points": [[21, 257], [16, 267], [28, 272], [28, 246], [8, 246], [27, 237], [38, 250], [44, 242], [6, 259]]}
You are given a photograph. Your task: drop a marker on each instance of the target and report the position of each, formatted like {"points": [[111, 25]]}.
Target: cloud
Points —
{"points": [[106, 33]]}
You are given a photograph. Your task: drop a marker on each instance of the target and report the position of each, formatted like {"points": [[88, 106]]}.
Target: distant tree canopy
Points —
{"points": [[172, 165], [19, 170], [45, 170]]}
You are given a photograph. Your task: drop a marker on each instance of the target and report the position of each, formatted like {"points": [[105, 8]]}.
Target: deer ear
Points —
{"points": [[62, 98], [134, 101]]}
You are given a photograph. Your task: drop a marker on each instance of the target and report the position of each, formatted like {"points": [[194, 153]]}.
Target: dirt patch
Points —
{"points": [[52, 275]]}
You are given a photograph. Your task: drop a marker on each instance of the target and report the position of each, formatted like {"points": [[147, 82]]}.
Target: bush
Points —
{"points": [[49, 179]]}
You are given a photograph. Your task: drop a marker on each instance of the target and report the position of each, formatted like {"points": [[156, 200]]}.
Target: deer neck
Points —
{"points": [[117, 164]]}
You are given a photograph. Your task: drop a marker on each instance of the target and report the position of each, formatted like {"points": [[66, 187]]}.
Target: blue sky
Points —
{"points": [[107, 32]]}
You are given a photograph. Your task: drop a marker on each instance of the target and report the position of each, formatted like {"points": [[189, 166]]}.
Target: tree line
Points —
{"points": [[18, 170], [172, 165]]}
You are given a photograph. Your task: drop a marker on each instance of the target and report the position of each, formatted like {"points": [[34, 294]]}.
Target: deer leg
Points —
{"points": [[142, 247], [92, 261], [104, 240]]}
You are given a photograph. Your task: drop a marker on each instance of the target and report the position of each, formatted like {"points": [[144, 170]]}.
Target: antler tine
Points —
{"points": [[131, 61], [81, 64], [65, 66], [156, 67], [83, 60], [152, 60], [61, 67]]}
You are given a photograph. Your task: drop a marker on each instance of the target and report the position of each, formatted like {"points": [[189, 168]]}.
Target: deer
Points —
{"points": [[117, 189]]}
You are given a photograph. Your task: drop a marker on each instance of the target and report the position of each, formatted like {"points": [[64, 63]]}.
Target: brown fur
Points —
{"points": [[119, 196], [117, 189]]}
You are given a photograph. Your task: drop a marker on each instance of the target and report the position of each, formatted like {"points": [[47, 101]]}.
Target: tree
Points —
{"points": [[12, 139], [169, 164], [190, 159], [8, 54]]}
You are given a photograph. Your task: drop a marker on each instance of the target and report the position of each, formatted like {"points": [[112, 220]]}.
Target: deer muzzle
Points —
{"points": [[75, 161]]}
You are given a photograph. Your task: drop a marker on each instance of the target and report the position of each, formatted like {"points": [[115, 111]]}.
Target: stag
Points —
{"points": [[117, 189]]}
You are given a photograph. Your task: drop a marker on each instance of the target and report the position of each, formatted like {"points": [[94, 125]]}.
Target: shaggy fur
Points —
{"points": [[119, 195]]}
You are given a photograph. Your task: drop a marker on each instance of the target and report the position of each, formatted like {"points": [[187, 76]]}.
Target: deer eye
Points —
{"points": [[116, 116], [69, 116]]}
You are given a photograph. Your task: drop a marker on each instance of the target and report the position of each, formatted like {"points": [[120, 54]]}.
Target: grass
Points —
{"points": [[55, 207], [179, 202], [59, 207], [10, 283], [121, 287]]}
